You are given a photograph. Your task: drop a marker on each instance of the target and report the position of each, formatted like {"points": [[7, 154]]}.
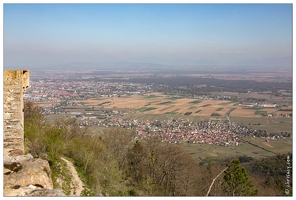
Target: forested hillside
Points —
{"points": [[116, 164]]}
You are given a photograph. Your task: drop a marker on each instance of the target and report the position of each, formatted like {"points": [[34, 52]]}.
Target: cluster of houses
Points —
{"points": [[262, 105], [182, 130]]}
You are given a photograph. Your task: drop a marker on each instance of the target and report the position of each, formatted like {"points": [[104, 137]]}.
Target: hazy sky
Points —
{"points": [[173, 34]]}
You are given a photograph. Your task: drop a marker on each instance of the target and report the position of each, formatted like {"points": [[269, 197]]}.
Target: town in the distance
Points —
{"points": [[225, 108]]}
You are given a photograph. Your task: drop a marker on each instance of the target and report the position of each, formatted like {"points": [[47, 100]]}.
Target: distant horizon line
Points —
{"points": [[151, 64]]}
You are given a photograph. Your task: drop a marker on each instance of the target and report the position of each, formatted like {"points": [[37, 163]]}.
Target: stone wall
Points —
{"points": [[15, 83], [23, 174]]}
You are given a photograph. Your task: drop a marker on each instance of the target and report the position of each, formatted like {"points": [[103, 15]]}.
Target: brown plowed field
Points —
{"points": [[242, 112], [163, 105], [166, 105]]}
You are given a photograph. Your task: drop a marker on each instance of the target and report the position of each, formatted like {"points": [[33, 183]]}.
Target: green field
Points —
{"points": [[209, 150], [253, 108], [174, 112], [195, 102], [144, 109], [174, 98], [165, 103], [206, 105], [270, 124], [219, 109], [258, 112]]}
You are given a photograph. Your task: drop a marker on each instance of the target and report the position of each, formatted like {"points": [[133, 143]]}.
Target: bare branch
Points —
{"points": [[215, 180]]}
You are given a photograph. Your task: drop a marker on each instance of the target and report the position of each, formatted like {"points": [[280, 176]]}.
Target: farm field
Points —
{"points": [[263, 149], [241, 111], [167, 105], [270, 124], [162, 107]]}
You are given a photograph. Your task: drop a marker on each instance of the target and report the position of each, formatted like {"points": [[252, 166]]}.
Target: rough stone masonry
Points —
{"points": [[16, 82], [23, 174]]}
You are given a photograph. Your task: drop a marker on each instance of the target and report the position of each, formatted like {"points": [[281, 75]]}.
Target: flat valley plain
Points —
{"points": [[159, 106]]}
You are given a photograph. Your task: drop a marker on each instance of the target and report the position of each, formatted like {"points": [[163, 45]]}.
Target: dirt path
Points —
{"points": [[76, 184]]}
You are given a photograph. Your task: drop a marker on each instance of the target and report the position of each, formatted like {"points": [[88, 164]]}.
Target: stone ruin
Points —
{"points": [[16, 82], [23, 174]]}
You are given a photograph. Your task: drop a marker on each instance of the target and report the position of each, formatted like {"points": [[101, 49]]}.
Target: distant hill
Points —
{"points": [[274, 64]]}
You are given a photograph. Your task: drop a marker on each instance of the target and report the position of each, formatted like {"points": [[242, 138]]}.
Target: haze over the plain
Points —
{"points": [[97, 35]]}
